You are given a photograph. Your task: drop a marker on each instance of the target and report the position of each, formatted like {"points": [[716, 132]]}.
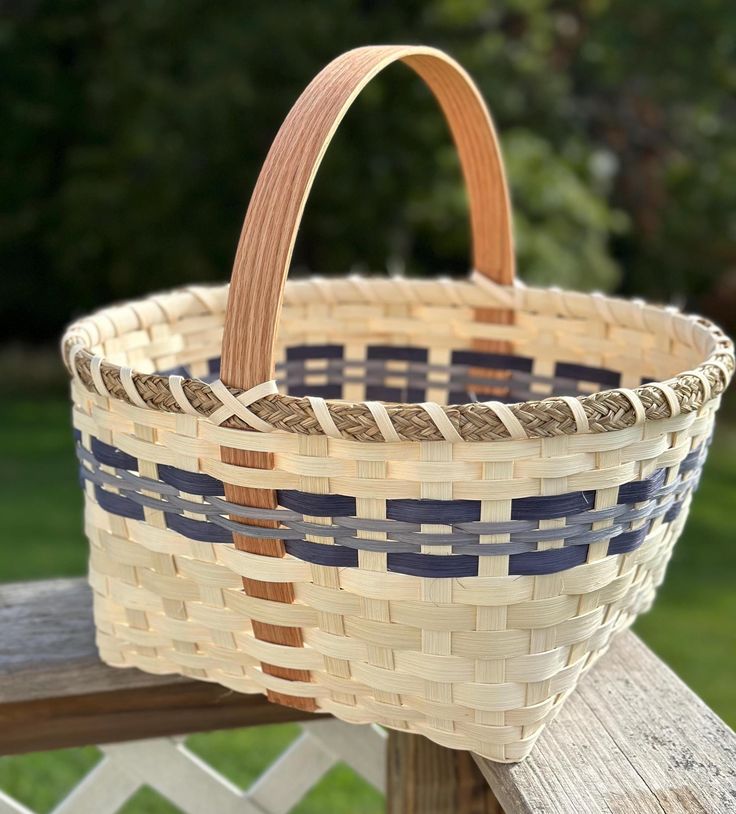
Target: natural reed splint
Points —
{"points": [[345, 541]]}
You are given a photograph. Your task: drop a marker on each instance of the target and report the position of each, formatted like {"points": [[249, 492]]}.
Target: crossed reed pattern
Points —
{"points": [[584, 363], [453, 496], [183, 496], [453, 588]]}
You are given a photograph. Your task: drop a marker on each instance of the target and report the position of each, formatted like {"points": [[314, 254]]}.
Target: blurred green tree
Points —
{"points": [[133, 133]]}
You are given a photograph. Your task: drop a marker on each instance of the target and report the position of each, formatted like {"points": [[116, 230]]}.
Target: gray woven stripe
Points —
{"points": [[419, 375], [404, 537]]}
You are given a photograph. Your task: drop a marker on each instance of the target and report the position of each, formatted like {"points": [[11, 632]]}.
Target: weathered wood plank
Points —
{"points": [[632, 740], [47, 645], [132, 714], [424, 778], [55, 692]]}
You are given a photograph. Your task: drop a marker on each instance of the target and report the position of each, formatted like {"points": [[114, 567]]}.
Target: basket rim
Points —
{"points": [[264, 409]]}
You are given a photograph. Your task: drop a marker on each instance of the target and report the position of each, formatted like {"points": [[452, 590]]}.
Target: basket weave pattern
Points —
{"points": [[425, 504], [456, 589], [577, 321]]}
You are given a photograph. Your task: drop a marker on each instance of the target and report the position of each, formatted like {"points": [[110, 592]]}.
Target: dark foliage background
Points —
{"points": [[132, 134]]}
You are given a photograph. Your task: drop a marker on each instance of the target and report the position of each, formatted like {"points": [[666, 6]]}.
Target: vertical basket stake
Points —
{"points": [[267, 240]]}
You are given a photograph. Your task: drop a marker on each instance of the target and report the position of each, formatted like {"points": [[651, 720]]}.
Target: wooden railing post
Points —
{"points": [[424, 778], [632, 738]]}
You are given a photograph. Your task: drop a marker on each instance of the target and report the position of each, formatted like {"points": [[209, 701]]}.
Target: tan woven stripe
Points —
{"points": [[177, 391], [444, 425], [354, 420], [322, 414], [703, 380], [671, 397], [605, 411], [636, 404], [577, 410], [71, 351], [508, 419], [97, 379], [383, 421], [126, 377]]}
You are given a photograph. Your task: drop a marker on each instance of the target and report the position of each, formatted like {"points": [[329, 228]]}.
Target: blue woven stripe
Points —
{"points": [[390, 353], [629, 541], [193, 483], [598, 375], [396, 353], [325, 391], [409, 380], [532, 563], [672, 513], [112, 456], [117, 504], [130, 504], [446, 512], [303, 352], [639, 490], [491, 361], [198, 529]]}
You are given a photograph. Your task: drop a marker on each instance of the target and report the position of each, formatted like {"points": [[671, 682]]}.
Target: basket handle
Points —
{"points": [[267, 240]]}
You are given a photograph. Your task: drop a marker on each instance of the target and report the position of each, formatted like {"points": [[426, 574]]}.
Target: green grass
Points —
{"points": [[691, 626], [40, 496], [40, 780]]}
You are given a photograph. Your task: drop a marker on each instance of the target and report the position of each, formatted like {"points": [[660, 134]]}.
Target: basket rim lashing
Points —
{"points": [[250, 400], [466, 487], [602, 411]]}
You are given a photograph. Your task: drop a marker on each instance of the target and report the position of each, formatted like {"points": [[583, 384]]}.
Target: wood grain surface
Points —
{"points": [[55, 692], [269, 233], [276, 206], [424, 778], [633, 739]]}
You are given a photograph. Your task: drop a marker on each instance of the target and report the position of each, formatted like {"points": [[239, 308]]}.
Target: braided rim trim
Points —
{"points": [[605, 411]]}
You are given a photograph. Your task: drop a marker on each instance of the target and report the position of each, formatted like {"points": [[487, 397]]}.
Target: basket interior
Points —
{"points": [[376, 342], [405, 374]]}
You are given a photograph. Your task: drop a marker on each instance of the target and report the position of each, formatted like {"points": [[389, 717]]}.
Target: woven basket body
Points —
{"points": [[351, 544]]}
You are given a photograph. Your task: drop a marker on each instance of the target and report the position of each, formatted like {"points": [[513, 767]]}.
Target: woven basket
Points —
{"points": [[348, 543]]}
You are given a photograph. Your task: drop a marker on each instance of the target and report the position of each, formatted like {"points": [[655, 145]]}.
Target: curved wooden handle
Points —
{"points": [[269, 232]]}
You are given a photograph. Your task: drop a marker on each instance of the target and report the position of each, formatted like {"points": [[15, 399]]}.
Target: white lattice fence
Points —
{"points": [[168, 767]]}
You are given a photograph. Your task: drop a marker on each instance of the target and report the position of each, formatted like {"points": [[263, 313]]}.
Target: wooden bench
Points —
{"points": [[632, 739]]}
